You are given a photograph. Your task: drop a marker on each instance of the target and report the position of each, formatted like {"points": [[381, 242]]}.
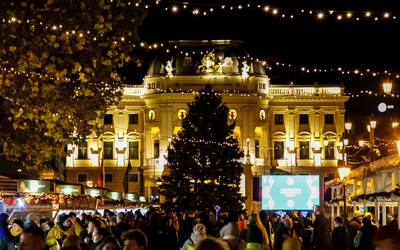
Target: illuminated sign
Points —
{"points": [[132, 197], [95, 192], [69, 189], [115, 195], [288, 192], [33, 186]]}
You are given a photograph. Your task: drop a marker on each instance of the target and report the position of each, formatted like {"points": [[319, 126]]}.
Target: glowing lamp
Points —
{"points": [[343, 172]]}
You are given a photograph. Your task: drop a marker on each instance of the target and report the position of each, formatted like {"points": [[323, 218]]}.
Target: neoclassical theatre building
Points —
{"points": [[286, 127]]}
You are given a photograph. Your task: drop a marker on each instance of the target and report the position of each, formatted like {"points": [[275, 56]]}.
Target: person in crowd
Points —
{"points": [[212, 243], [274, 221], [321, 227], [199, 233], [387, 238], [394, 221], [254, 238], [254, 219], [175, 225], [307, 242], [30, 221], [76, 226], [339, 235], [134, 239], [109, 243], [71, 242], [295, 214], [121, 226], [169, 230], [86, 239], [99, 234], [139, 219], [157, 238], [59, 232], [188, 222], [230, 232], [267, 224], [282, 232], [3, 227], [298, 231], [12, 236], [242, 221], [353, 227], [363, 239], [32, 238]]}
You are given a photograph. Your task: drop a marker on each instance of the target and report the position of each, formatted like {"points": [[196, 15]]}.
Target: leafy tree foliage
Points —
{"points": [[59, 71], [203, 158]]}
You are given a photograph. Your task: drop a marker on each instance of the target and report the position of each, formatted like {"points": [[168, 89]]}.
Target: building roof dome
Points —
{"points": [[195, 57]]}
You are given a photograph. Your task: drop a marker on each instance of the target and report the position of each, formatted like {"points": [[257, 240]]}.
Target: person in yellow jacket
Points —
{"points": [[63, 228]]}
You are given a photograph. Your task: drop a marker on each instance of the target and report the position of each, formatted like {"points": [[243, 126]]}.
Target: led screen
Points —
{"points": [[287, 192]]}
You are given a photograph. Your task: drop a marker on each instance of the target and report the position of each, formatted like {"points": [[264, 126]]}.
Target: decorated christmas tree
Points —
{"points": [[203, 159]]}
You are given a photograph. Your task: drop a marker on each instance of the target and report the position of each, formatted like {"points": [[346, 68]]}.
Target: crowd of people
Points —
{"points": [[199, 230]]}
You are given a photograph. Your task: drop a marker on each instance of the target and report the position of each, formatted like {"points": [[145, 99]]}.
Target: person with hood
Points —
{"points": [[12, 236], [59, 232], [254, 238], [339, 235], [230, 232], [199, 233]]}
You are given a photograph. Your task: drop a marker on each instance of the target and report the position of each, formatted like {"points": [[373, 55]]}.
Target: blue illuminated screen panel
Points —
{"points": [[287, 192]]}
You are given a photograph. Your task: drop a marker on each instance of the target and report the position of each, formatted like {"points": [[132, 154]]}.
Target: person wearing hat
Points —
{"points": [[354, 226], [59, 232], [321, 227], [12, 236], [199, 233]]}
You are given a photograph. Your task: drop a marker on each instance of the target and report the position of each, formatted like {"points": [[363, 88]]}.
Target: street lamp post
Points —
{"points": [[343, 171], [372, 126]]}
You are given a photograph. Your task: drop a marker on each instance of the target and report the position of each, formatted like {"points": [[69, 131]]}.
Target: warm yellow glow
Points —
{"points": [[120, 160], [343, 172], [326, 142], [395, 124], [373, 124], [346, 142], [155, 131], [361, 143], [387, 87], [398, 147], [348, 126]]}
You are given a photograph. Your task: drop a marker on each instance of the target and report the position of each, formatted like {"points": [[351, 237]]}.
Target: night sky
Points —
{"points": [[297, 38]]}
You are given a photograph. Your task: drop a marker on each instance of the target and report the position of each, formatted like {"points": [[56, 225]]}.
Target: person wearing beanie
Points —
{"points": [[59, 232], [199, 233], [12, 236]]}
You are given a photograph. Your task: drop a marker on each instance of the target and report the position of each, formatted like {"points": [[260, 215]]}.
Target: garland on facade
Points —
{"points": [[44, 199], [384, 195]]}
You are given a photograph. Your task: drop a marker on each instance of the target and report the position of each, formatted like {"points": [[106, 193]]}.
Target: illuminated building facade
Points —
{"points": [[295, 128]]}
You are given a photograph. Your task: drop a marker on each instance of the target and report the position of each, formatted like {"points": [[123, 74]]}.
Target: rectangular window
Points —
{"points": [[108, 150], [133, 118], [156, 149], [108, 178], [257, 148], [329, 119], [304, 150], [134, 150], [303, 118], [108, 119], [278, 150], [133, 178], [82, 177], [330, 151], [278, 119], [82, 150]]}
